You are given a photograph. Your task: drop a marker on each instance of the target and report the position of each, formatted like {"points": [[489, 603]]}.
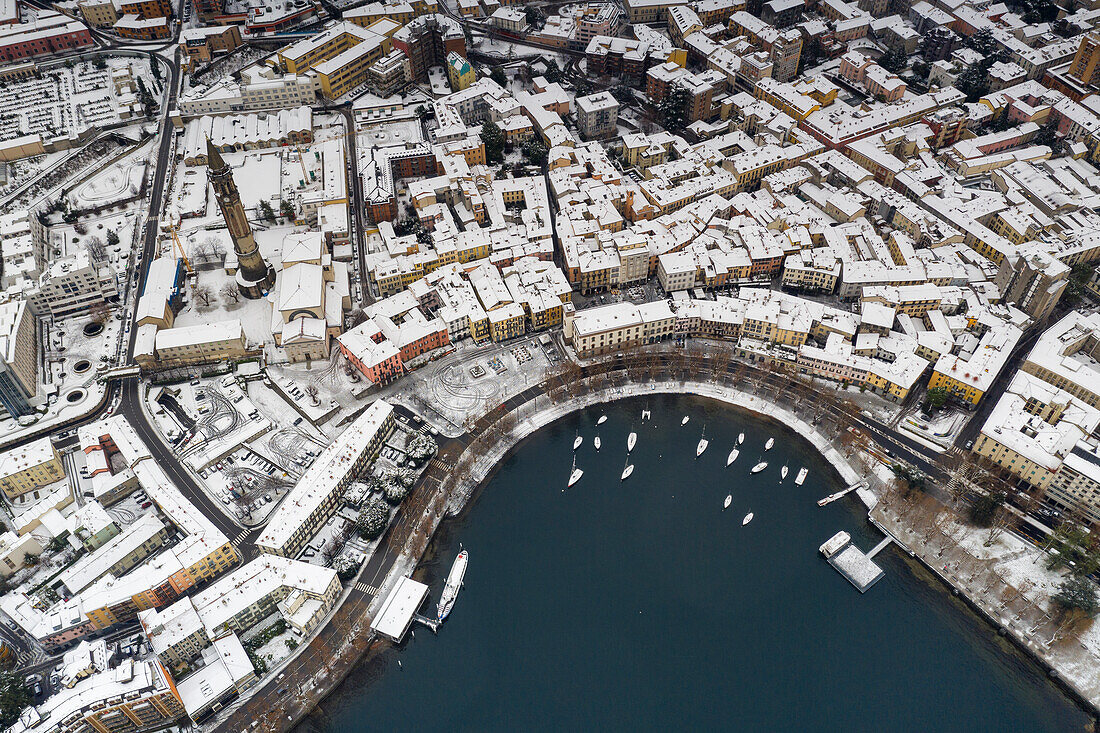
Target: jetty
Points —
{"points": [[858, 568], [840, 494], [431, 623]]}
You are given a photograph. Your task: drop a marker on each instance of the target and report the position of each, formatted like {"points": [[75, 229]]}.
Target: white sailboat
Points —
{"points": [[703, 443], [575, 476], [782, 474], [596, 442], [631, 441], [727, 502], [602, 420], [627, 471], [759, 467], [732, 456], [801, 478], [577, 442], [769, 444], [685, 420], [747, 519], [740, 438]]}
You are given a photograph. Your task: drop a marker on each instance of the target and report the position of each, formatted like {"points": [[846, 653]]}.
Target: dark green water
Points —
{"points": [[642, 605]]}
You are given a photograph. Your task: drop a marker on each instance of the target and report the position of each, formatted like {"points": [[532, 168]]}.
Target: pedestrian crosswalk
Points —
{"points": [[442, 464], [368, 589], [240, 537]]}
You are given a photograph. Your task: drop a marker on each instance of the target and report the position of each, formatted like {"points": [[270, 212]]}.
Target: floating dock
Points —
{"points": [[851, 562], [399, 609]]}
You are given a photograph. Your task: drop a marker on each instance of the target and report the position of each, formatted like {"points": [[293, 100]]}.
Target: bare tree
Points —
{"points": [[311, 390], [230, 291], [202, 293], [98, 313]]}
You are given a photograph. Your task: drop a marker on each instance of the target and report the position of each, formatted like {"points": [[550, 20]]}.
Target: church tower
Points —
{"points": [[254, 275]]}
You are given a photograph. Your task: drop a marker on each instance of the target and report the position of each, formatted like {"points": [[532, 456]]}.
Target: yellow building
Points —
{"points": [[460, 72], [29, 467], [99, 13]]}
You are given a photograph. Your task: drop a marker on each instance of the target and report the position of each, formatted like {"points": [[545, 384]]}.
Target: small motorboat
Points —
{"points": [[627, 471], [631, 441], [685, 420], [602, 420], [596, 442], [759, 467], [769, 444], [801, 478], [575, 476], [732, 456], [577, 442], [747, 519], [646, 415], [727, 502], [783, 473], [740, 438]]}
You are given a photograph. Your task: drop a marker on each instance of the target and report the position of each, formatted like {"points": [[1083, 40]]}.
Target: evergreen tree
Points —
{"points": [[112, 237], [266, 212], [287, 210], [1078, 593], [497, 75], [373, 519], [493, 138], [671, 111], [535, 152], [14, 696], [893, 60]]}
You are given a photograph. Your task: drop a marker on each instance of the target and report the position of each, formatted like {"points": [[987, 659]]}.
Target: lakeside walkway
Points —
{"points": [[466, 461]]}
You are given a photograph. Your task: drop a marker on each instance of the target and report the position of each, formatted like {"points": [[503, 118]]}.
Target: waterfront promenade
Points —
{"points": [[465, 461]]}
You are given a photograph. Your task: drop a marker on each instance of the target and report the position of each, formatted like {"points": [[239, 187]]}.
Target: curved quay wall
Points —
{"points": [[530, 419]]}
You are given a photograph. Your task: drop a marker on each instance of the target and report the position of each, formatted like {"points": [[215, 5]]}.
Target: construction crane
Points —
{"points": [[302, 162], [179, 246]]}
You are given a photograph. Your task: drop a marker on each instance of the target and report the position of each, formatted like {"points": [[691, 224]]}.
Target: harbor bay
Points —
{"points": [[643, 604]]}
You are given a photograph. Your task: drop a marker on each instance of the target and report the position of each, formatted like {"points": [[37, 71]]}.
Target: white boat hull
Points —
{"points": [[740, 438], [783, 473], [759, 467], [727, 502], [631, 441], [596, 442], [575, 476], [577, 442], [801, 478], [602, 420], [453, 585], [685, 420], [732, 456], [626, 472], [701, 447], [769, 444], [747, 519]]}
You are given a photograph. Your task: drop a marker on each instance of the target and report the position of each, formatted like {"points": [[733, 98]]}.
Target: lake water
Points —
{"points": [[644, 605]]}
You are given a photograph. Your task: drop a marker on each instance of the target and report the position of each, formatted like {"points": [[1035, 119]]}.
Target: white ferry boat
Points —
{"points": [[454, 584]]}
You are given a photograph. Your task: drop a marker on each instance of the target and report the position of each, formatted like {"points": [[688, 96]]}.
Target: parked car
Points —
{"points": [[146, 504]]}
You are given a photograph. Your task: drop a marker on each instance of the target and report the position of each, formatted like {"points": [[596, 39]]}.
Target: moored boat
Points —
{"points": [[732, 456], [702, 446], [575, 475], [685, 420], [783, 473], [740, 438], [727, 502], [627, 471], [602, 420], [577, 442], [453, 585], [769, 444], [596, 442], [759, 467], [801, 478], [631, 441], [747, 519]]}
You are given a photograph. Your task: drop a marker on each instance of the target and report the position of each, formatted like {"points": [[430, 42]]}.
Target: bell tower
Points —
{"points": [[254, 275]]}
